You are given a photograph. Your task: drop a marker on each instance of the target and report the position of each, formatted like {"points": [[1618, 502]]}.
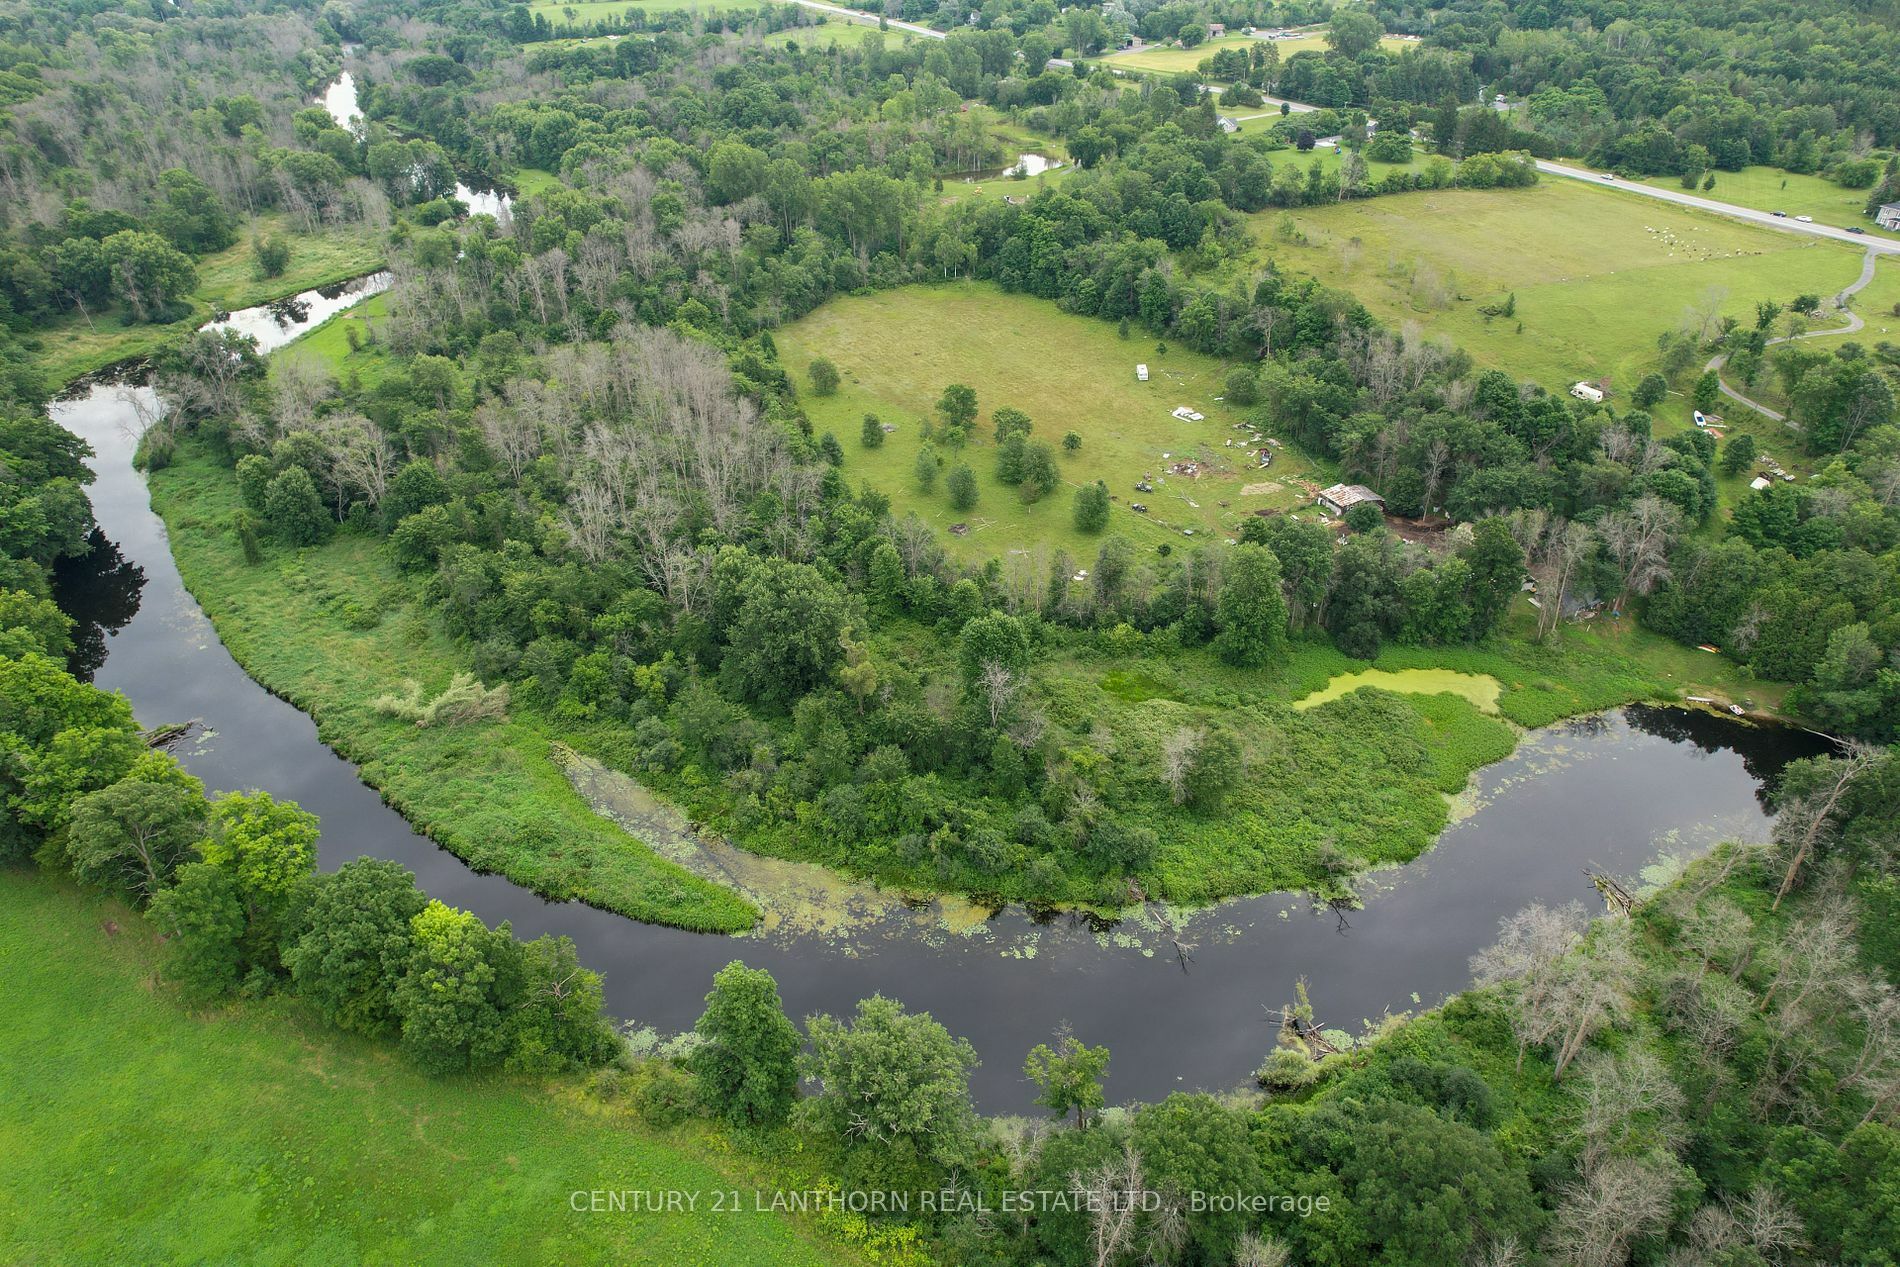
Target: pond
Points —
{"points": [[1182, 1000], [339, 100]]}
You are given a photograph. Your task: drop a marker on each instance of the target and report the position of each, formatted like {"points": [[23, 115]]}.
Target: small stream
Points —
{"points": [[1613, 791], [338, 99]]}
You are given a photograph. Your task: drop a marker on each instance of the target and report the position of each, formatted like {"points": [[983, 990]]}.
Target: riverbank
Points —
{"points": [[75, 345], [331, 628], [132, 1130]]}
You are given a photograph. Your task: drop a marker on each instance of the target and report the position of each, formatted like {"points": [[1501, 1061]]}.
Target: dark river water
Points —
{"points": [[1612, 792]]}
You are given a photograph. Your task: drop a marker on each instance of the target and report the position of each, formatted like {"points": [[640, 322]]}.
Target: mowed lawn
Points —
{"points": [[134, 1131], [1597, 275], [898, 350]]}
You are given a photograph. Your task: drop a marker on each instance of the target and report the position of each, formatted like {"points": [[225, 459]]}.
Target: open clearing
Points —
{"points": [[899, 349], [1598, 276], [1480, 689], [1772, 189], [1168, 61], [585, 12], [134, 1131]]}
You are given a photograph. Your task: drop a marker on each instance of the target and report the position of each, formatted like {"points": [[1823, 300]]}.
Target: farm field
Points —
{"points": [[1170, 61], [1597, 276], [133, 1130], [898, 350]]}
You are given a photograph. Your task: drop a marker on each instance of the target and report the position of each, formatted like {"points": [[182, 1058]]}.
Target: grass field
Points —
{"points": [[1772, 189], [1170, 61], [491, 794], [897, 351], [134, 1131], [227, 279], [830, 30], [1597, 276], [328, 346], [560, 13]]}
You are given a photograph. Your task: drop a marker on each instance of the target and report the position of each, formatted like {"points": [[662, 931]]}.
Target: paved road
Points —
{"points": [[1788, 224], [1854, 323]]}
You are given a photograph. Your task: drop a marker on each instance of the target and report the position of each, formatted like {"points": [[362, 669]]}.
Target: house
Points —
{"points": [[1758, 483], [1141, 373], [1227, 124], [1583, 391], [1341, 498], [1888, 217], [1215, 30]]}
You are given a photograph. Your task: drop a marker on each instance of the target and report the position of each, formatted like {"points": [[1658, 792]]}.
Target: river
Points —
{"points": [[1612, 791]]}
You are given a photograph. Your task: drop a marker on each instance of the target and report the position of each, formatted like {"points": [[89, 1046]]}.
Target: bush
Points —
{"points": [[1365, 517], [1091, 507], [356, 942], [962, 487], [293, 509], [824, 377], [271, 254], [872, 437], [1390, 147], [464, 700], [664, 1094], [747, 1067]]}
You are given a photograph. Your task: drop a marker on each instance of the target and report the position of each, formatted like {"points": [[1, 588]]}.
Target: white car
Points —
{"points": [[1805, 219]]}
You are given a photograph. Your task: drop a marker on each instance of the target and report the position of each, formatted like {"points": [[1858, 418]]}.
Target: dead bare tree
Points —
{"points": [[1621, 1099], [1591, 989], [1806, 821], [1524, 958], [1638, 539], [1609, 1209], [1875, 1072], [1177, 760], [1114, 1194], [998, 687]]}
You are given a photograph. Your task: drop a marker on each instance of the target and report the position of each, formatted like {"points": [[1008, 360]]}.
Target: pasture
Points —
{"points": [[1167, 60], [1772, 189], [1597, 276], [135, 1131], [582, 13], [898, 350]]}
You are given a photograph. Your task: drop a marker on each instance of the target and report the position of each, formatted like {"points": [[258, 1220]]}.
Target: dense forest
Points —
{"points": [[573, 435]]}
